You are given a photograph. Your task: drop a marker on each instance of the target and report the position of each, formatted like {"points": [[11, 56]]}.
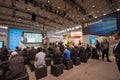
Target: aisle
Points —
{"points": [[93, 70]]}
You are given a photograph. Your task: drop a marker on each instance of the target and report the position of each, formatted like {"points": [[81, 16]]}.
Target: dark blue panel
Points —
{"points": [[106, 26]]}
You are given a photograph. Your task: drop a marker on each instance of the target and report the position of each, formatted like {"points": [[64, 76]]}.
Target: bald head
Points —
{"points": [[14, 53]]}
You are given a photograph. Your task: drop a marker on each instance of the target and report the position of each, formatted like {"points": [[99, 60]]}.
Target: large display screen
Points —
{"points": [[106, 26], [1, 44], [32, 38]]}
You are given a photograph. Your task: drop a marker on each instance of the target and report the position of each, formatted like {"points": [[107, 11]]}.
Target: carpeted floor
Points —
{"points": [[93, 70]]}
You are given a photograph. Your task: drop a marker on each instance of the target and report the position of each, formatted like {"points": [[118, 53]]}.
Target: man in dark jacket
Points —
{"points": [[16, 66], [116, 49], [57, 56], [74, 53]]}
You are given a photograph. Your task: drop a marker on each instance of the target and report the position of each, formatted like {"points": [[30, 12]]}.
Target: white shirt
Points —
{"points": [[40, 59]]}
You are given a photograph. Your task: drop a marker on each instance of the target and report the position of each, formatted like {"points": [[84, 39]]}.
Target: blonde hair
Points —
{"points": [[65, 47], [57, 49]]}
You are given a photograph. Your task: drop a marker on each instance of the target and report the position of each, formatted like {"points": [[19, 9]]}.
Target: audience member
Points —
{"points": [[16, 66], [74, 53], [105, 49], [66, 54], [57, 56], [116, 49], [97, 45], [40, 58]]}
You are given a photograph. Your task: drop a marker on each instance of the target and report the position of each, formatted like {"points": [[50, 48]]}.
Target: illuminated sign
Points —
{"points": [[76, 34]]}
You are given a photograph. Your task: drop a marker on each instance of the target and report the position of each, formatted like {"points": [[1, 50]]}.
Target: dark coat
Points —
{"points": [[57, 58], [74, 53], [16, 67], [116, 50]]}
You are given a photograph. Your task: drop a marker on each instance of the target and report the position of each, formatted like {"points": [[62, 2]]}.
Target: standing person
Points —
{"points": [[98, 46], [105, 49], [116, 49]]}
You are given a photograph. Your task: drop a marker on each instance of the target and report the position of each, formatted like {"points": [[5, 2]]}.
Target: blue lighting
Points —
{"points": [[14, 38]]}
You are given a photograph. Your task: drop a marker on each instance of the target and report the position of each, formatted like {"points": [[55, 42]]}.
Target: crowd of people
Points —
{"points": [[12, 63]]}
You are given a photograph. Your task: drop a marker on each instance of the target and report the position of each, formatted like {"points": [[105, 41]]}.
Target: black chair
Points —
{"points": [[48, 61], [22, 77], [84, 57], [76, 61], [68, 64], [41, 72], [95, 56], [57, 70], [31, 65]]}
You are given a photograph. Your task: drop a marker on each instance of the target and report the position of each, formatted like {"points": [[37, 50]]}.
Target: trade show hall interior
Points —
{"points": [[59, 39]]}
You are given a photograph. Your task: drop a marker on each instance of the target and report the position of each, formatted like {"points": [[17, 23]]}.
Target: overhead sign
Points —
{"points": [[76, 34]]}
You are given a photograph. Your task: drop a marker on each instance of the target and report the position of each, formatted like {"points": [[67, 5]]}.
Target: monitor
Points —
{"points": [[32, 37], [1, 44]]}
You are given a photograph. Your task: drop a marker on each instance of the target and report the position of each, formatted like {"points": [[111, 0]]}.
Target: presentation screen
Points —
{"points": [[1, 44], [32, 38]]}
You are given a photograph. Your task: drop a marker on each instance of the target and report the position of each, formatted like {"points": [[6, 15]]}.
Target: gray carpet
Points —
{"points": [[93, 70]]}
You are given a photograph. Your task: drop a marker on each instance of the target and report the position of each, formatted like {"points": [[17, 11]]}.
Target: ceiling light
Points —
{"points": [[97, 11], [95, 17], [67, 29], [93, 6], [48, 1], [28, 9], [118, 9], [77, 27], [104, 14], [70, 28], [80, 26], [73, 28], [58, 7]]}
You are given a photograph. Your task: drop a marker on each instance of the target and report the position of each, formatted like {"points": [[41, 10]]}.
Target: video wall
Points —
{"points": [[1, 44], [103, 27], [32, 38], [92, 40], [19, 37]]}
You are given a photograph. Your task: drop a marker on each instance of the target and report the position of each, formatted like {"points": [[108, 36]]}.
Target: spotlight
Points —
{"points": [[118, 9]]}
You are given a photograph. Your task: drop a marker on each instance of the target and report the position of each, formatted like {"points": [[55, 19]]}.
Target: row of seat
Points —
{"points": [[57, 70]]}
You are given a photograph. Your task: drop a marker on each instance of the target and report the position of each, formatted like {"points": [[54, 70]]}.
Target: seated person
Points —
{"points": [[66, 54], [57, 56], [40, 58], [16, 66], [74, 53]]}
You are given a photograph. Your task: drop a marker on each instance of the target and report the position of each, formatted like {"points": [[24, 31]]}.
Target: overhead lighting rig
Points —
{"points": [[48, 7], [76, 6]]}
